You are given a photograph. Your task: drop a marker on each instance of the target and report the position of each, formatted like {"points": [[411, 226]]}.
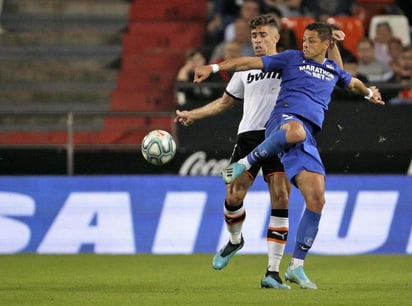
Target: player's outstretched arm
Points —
{"points": [[371, 93], [213, 108], [234, 64]]}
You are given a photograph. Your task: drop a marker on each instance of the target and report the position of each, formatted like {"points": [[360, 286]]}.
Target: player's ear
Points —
{"points": [[277, 37], [327, 43]]}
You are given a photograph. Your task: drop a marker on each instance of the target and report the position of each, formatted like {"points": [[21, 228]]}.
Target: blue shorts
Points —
{"points": [[302, 156]]}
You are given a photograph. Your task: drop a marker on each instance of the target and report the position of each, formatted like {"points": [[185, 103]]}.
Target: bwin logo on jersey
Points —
{"points": [[251, 77]]}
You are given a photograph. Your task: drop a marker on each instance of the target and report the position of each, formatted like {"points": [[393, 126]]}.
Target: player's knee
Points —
{"points": [[316, 203], [234, 198], [296, 134]]}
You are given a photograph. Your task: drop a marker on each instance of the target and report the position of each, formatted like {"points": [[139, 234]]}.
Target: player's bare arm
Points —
{"points": [[371, 93], [333, 50], [213, 108], [234, 64]]}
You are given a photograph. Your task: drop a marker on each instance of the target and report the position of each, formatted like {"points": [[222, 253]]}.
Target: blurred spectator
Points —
{"points": [[323, 9], [404, 97], [375, 71], [249, 10], [242, 37], [383, 35], [231, 50], [288, 8], [223, 12], [406, 63], [287, 36], [350, 64], [1, 10], [402, 67], [194, 58], [394, 48]]}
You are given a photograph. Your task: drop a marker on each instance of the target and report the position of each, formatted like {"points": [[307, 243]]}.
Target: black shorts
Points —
{"points": [[245, 143]]}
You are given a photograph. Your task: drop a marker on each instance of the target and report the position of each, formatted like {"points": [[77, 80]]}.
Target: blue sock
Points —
{"points": [[306, 233], [272, 145]]}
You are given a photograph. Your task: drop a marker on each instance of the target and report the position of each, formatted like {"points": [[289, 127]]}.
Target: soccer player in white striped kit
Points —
{"points": [[259, 91]]}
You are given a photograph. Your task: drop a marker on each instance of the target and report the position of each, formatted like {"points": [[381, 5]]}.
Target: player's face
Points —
{"points": [[313, 47], [264, 40]]}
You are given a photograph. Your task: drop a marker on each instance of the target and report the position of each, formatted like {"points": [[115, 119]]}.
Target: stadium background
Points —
{"points": [[83, 81]]}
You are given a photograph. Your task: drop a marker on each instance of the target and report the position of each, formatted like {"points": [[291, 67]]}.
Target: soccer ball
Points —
{"points": [[158, 147]]}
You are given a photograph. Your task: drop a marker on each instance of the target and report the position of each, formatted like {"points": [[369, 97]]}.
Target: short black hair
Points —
{"points": [[323, 29]]}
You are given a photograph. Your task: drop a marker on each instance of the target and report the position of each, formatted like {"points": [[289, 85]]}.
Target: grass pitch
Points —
{"points": [[27, 279]]}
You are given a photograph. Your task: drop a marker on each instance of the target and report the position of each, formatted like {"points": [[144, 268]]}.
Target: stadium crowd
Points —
{"points": [[383, 55]]}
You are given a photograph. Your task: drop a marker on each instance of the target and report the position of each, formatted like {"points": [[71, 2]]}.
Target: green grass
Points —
{"points": [[27, 279]]}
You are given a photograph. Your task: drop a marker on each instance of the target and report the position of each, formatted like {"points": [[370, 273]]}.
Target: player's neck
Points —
{"points": [[319, 59]]}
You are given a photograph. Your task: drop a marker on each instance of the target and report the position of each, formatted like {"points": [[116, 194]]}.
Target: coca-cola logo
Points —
{"points": [[197, 164]]}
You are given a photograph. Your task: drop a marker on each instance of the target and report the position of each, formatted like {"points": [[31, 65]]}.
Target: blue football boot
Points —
{"points": [[232, 172], [223, 256], [299, 277]]}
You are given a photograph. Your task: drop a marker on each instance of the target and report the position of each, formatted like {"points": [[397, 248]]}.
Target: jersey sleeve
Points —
{"points": [[278, 61], [235, 87], [344, 78]]}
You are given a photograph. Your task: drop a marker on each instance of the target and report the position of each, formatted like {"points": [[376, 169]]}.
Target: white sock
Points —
{"points": [[276, 248], [235, 229], [245, 162], [296, 263]]}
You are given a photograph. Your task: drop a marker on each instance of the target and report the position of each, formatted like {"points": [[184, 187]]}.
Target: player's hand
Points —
{"points": [[202, 73], [376, 98], [338, 35], [183, 118]]}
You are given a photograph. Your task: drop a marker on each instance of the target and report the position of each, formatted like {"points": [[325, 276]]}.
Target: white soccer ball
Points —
{"points": [[158, 147]]}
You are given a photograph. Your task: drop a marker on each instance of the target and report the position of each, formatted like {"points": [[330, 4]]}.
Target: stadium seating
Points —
{"points": [[353, 28], [366, 9], [121, 130], [149, 100], [399, 24], [153, 50], [168, 10], [180, 35], [132, 79], [171, 61], [297, 24]]}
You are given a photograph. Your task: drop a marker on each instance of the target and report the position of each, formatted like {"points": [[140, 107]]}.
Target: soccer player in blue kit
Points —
{"points": [[308, 79]]}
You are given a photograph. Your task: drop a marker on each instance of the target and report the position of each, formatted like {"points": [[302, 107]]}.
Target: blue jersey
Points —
{"points": [[306, 85]]}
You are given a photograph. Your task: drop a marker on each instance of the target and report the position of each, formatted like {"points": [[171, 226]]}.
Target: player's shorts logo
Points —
{"points": [[287, 117]]}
